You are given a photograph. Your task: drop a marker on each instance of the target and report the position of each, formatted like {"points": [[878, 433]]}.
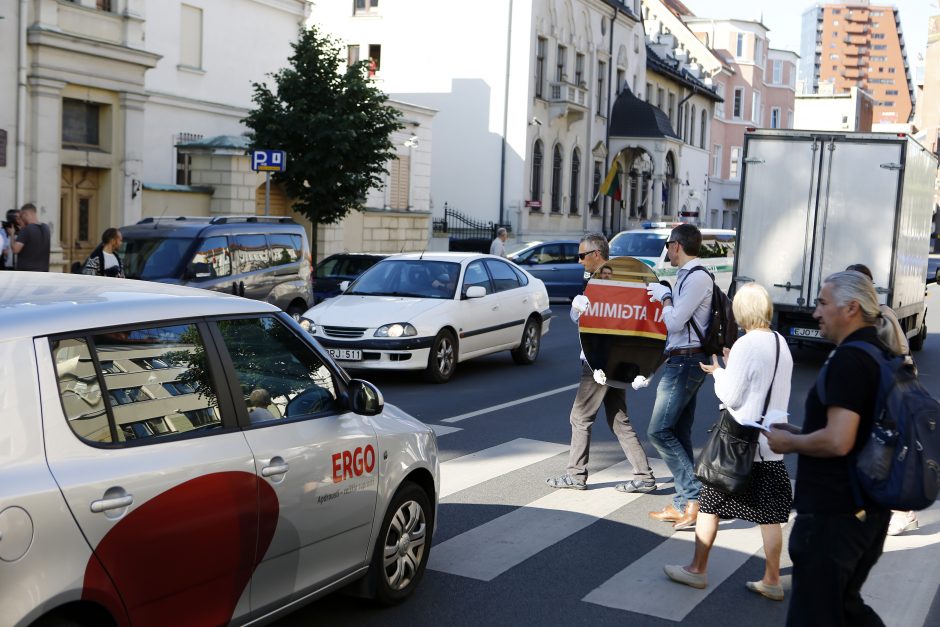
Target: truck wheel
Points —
{"points": [[403, 546], [917, 342]]}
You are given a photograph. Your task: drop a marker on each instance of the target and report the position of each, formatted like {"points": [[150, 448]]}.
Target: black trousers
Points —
{"points": [[832, 555]]}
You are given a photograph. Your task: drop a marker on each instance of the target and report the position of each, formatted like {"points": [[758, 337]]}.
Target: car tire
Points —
{"points": [[403, 545], [442, 360], [528, 350], [917, 342], [296, 310]]}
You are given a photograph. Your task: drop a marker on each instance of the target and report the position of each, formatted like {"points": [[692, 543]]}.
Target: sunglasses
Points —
{"points": [[581, 256]]}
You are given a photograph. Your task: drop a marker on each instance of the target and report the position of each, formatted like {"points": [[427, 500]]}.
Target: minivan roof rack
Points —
{"points": [[152, 220], [270, 219]]}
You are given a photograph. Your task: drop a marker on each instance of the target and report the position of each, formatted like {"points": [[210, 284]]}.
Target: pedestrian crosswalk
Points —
{"points": [[899, 589]]}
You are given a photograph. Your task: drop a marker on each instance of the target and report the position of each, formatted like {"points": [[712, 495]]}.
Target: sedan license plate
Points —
{"points": [[346, 354], [797, 332]]}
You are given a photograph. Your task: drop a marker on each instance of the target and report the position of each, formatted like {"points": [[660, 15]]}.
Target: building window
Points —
{"points": [[720, 106], [755, 109], [103, 5], [80, 122], [778, 72], [539, 66], [879, 47], [692, 117], [560, 74], [775, 117], [703, 130], [596, 188], [575, 181], [621, 80], [739, 48], [735, 157], [375, 59], [365, 7], [536, 186], [891, 92], [671, 112], [877, 35], [352, 55], [758, 51], [579, 69], [399, 183], [738, 103], [601, 88], [661, 98], [716, 162], [190, 36], [649, 92], [556, 179], [184, 160], [892, 70]]}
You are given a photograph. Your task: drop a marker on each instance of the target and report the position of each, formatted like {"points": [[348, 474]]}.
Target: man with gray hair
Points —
{"points": [[593, 253], [498, 247]]}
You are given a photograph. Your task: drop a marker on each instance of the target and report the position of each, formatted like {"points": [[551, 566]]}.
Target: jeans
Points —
{"points": [[587, 402], [670, 428], [832, 555]]}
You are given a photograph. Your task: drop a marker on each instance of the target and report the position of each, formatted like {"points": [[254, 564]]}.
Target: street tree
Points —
{"points": [[334, 125]]}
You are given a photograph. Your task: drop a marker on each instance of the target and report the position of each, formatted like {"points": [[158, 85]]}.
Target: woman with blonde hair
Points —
{"points": [[758, 366]]}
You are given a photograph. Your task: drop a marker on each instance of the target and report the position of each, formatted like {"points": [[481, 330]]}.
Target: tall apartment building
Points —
{"points": [[857, 44]]}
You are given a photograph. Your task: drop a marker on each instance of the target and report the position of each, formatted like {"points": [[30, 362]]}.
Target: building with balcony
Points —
{"points": [[858, 44]]}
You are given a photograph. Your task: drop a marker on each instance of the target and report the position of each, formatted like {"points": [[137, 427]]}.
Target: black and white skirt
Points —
{"points": [[767, 500]]}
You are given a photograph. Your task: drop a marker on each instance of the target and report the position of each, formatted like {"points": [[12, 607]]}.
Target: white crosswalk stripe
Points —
{"points": [[476, 468]]}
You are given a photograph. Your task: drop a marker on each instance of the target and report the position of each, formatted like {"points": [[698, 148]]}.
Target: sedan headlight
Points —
{"points": [[308, 325], [398, 329]]}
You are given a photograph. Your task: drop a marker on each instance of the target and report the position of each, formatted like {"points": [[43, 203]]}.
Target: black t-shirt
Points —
{"points": [[823, 484], [35, 253]]}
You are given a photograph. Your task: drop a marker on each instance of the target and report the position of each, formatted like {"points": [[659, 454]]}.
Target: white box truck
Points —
{"points": [[813, 203]]}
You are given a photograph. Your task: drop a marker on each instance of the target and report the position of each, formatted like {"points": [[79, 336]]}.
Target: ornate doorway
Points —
{"points": [[79, 229]]}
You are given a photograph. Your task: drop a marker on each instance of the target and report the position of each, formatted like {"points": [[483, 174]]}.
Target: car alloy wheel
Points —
{"points": [[404, 545], [443, 358], [528, 349]]}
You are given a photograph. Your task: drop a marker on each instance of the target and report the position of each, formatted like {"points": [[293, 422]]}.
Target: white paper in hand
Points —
{"points": [[772, 417]]}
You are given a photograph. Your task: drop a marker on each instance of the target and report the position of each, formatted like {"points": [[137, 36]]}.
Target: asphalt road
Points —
{"points": [[522, 562]]}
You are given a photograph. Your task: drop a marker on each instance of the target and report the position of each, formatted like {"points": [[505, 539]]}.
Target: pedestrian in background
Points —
{"points": [[900, 521], [593, 253], [104, 260], [836, 541], [11, 226], [670, 427], [33, 242], [757, 370], [498, 247]]}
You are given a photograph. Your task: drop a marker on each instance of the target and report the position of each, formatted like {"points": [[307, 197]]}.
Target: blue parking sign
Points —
{"points": [[268, 160]]}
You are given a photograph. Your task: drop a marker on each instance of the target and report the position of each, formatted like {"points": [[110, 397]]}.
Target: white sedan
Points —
{"points": [[429, 311]]}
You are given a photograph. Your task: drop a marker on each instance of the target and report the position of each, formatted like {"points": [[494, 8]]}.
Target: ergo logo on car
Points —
{"points": [[350, 464]]}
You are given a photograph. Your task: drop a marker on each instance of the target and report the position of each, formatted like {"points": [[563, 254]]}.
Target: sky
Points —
{"points": [[783, 19]]}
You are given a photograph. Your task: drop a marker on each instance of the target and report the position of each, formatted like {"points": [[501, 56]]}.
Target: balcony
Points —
{"points": [[852, 51], [856, 29], [855, 40], [857, 16], [852, 74], [567, 100], [852, 62]]}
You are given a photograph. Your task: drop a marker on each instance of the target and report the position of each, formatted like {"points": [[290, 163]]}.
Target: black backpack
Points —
{"points": [[722, 329], [899, 465]]}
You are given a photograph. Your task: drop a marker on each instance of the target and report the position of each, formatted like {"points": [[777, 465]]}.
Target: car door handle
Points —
{"points": [[119, 502], [280, 467]]}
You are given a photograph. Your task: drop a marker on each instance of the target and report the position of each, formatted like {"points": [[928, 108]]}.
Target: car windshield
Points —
{"points": [[637, 244], [417, 278], [151, 258]]}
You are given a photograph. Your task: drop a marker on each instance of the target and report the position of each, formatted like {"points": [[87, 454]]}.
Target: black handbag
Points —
{"points": [[726, 460]]}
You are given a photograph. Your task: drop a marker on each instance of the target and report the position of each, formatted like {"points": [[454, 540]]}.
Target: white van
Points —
{"points": [[649, 246]]}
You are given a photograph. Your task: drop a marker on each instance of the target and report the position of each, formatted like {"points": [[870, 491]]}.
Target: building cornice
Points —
{"points": [[42, 36]]}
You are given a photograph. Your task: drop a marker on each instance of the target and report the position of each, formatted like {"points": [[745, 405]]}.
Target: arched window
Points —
{"points": [[691, 138], [536, 185], [703, 141], [596, 187], [575, 201], [556, 179]]}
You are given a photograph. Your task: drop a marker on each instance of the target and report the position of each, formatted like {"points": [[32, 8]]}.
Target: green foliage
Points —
{"points": [[335, 127]]}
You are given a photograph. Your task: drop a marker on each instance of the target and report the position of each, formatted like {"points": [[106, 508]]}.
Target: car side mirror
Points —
{"points": [[476, 291], [364, 398], [198, 270], [343, 286]]}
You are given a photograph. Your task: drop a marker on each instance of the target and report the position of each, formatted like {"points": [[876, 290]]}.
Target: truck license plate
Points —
{"points": [[797, 332], [346, 354]]}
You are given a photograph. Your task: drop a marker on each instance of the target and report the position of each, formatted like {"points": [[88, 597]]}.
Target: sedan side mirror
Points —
{"points": [[343, 286], [476, 291], [364, 398]]}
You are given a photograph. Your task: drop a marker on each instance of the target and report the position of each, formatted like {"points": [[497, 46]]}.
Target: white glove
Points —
{"points": [[658, 292], [580, 303], [600, 377], [640, 382]]}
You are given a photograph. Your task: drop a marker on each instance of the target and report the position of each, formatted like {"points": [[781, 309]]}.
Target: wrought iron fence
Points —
{"points": [[465, 233]]}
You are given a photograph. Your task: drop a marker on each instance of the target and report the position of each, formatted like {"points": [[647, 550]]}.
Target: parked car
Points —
{"points": [[649, 246], [933, 268], [337, 268], [430, 311], [556, 264], [262, 258], [175, 453]]}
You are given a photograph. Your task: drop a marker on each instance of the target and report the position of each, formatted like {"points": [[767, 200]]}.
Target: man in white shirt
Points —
{"points": [[498, 247], [670, 427]]}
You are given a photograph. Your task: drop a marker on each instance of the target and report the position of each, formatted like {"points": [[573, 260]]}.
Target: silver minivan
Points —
{"points": [[172, 456]]}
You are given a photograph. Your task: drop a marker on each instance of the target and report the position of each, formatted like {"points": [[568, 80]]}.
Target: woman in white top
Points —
{"points": [[742, 387]]}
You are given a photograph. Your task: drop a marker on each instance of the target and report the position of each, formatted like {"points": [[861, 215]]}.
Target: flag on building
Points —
{"points": [[611, 185]]}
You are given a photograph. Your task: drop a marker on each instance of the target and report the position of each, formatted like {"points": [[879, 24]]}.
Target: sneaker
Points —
{"points": [[636, 485], [901, 522], [565, 481]]}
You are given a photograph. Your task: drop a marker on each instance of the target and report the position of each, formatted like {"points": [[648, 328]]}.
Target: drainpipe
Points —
{"points": [[21, 108], [502, 157], [610, 64]]}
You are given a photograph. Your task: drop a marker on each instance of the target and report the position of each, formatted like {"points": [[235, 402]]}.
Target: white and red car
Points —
{"points": [[172, 456]]}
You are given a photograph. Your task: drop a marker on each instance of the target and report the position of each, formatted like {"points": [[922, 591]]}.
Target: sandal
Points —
{"points": [[565, 481]]}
